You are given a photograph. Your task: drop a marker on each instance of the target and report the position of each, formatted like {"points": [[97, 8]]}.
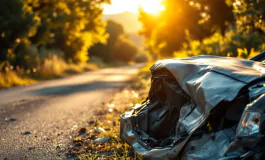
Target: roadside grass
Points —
{"points": [[51, 68], [101, 138], [56, 67], [13, 78]]}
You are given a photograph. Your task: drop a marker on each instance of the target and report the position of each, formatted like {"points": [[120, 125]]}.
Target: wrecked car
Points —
{"points": [[204, 107]]}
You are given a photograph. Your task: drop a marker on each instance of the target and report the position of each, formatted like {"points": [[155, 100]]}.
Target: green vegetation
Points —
{"points": [[52, 67], [69, 26], [118, 47], [14, 78], [48, 39], [194, 27]]}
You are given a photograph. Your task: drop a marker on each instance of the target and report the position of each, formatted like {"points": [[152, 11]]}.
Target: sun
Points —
{"points": [[119, 6], [151, 6]]}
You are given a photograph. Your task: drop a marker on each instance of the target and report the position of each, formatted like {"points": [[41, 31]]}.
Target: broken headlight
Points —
{"points": [[249, 124]]}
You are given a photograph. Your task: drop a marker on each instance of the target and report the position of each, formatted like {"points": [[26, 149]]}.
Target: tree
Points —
{"points": [[118, 47], [243, 37], [167, 31], [125, 50], [249, 27], [71, 26], [17, 26], [115, 30], [217, 15]]}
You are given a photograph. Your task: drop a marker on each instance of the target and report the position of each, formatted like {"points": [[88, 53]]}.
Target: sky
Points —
{"points": [[119, 6]]}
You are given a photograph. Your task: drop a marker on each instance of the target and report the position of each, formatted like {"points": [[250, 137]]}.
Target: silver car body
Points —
{"points": [[207, 85]]}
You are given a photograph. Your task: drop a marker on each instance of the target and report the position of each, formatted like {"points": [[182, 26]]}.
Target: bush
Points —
{"points": [[96, 60], [51, 67], [231, 44], [49, 64], [54, 66], [124, 50], [118, 47], [10, 77], [142, 56]]}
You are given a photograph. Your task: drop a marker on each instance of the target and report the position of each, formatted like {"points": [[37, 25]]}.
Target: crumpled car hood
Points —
{"points": [[211, 79]]}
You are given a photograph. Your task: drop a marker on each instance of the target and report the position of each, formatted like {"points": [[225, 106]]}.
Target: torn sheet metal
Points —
{"points": [[210, 79], [190, 101]]}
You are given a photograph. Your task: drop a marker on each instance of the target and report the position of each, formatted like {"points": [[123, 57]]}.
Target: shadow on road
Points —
{"points": [[62, 90], [23, 106]]}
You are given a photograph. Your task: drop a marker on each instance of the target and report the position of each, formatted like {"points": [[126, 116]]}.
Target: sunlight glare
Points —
{"points": [[152, 6], [119, 6]]}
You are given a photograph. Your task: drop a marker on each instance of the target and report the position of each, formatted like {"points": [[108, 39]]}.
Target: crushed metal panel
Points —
{"points": [[206, 88], [212, 88], [209, 146], [209, 81]]}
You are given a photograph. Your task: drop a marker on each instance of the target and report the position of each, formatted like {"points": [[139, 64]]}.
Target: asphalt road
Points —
{"points": [[38, 121]]}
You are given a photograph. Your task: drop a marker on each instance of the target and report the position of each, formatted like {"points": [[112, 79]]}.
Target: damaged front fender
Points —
{"points": [[204, 107]]}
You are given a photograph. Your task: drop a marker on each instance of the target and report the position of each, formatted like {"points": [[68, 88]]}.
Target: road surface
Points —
{"points": [[38, 121]]}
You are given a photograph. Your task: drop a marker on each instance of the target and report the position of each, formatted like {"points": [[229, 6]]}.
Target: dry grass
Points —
{"points": [[12, 78], [106, 123], [52, 67], [56, 67]]}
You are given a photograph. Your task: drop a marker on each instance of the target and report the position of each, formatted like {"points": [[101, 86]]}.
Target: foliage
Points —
{"points": [[56, 67], [124, 50], [142, 56], [195, 27], [9, 77], [249, 15], [219, 45], [50, 65], [118, 47], [250, 24], [71, 26], [166, 32], [216, 15], [17, 25]]}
